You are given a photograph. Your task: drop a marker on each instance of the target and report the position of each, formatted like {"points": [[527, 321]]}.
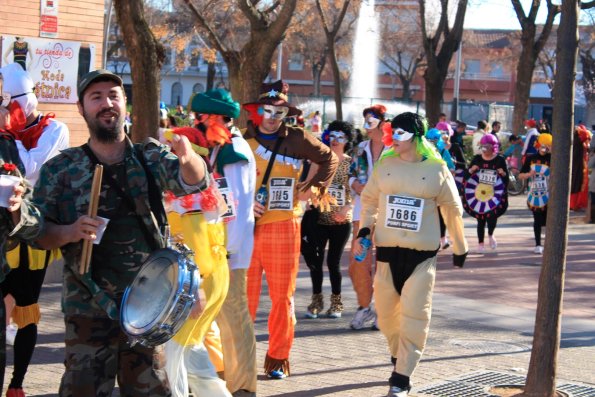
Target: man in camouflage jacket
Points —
{"points": [[96, 347], [21, 220]]}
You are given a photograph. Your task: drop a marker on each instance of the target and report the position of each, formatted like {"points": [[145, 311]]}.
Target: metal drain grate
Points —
{"points": [[477, 384], [455, 389], [492, 378], [577, 390]]}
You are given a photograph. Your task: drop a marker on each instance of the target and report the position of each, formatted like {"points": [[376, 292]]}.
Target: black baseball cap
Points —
{"points": [[99, 74]]}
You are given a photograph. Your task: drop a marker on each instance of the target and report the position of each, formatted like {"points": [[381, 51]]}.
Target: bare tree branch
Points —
{"points": [[322, 17], [552, 11], [272, 7], [212, 36], [520, 13], [251, 12]]}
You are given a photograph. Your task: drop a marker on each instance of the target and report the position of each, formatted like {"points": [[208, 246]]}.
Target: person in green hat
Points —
{"points": [[234, 173], [235, 170]]}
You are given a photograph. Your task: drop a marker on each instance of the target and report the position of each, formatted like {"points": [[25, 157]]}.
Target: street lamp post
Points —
{"points": [[454, 112]]}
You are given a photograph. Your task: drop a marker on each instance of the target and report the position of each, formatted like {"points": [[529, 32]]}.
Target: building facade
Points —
{"points": [[77, 22]]}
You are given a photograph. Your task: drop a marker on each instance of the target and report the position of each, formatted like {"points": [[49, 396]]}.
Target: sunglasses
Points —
{"points": [[337, 136], [401, 135], [274, 112]]}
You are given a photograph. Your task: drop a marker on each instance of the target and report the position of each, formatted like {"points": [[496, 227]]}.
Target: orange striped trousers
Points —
{"points": [[276, 253]]}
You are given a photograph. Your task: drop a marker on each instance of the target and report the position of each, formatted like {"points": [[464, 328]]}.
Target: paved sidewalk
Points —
{"points": [[482, 324]]}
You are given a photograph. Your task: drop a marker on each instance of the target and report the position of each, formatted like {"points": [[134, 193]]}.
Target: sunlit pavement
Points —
{"points": [[483, 321]]}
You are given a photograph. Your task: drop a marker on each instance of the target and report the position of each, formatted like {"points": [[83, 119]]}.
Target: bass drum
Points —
{"points": [[161, 297], [485, 197]]}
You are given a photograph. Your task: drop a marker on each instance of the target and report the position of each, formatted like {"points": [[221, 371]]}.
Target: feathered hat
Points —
{"points": [[271, 94]]}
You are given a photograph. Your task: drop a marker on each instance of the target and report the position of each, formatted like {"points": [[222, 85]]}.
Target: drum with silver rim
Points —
{"points": [[159, 300]]}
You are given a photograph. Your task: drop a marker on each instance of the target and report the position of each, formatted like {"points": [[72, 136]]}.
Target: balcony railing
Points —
{"points": [[480, 76]]}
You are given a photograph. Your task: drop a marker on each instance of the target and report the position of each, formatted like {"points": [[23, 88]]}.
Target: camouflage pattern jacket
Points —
{"points": [[63, 193], [30, 223]]}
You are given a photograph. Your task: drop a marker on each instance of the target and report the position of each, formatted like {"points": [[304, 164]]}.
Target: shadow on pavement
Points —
{"points": [[331, 389]]}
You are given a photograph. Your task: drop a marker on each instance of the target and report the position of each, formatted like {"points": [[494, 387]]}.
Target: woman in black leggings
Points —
{"points": [[333, 227], [536, 169], [485, 194]]}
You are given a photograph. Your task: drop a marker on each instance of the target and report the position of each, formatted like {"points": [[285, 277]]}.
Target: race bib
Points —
{"points": [[338, 193], [488, 177], [227, 196], [281, 194], [539, 184], [404, 212]]}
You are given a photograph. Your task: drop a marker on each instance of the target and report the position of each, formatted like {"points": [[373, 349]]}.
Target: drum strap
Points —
{"points": [[154, 195]]}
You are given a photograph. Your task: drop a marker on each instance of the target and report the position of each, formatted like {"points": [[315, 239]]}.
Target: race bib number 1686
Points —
{"points": [[404, 212]]}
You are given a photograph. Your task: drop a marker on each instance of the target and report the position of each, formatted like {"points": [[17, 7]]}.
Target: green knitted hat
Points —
{"points": [[217, 101]]}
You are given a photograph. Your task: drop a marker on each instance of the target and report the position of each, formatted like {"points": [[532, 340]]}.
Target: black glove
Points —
{"points": [[363, 232], [459, 260]]}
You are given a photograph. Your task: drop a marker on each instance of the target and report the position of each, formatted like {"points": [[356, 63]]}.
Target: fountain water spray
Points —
{"points": [[364, 75]]}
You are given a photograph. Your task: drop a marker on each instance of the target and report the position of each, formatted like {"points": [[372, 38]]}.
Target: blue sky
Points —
{"points": [[497, 14]]}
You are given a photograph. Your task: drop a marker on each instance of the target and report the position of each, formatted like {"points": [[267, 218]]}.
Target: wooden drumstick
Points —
{"points": [[92, 212]]}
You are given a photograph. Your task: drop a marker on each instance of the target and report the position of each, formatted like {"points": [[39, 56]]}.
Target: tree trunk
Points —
{"points": [[336, 78], [434, 90], [524, 77], [406, 90], [146, 56], [541, 376], [245, 80], [211, 72], [316, 76]]}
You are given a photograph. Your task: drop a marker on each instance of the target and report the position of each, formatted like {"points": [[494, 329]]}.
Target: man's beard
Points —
{"points": [[105, 134]]}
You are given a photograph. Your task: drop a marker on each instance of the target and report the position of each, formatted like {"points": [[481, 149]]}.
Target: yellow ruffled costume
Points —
{"points": [[31, 314], [207, 240]]}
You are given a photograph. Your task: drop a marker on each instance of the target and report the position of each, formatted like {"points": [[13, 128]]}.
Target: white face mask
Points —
{"points": [[337, 136], [371, 122], [401, 135], [28, 103], [274, 112]]}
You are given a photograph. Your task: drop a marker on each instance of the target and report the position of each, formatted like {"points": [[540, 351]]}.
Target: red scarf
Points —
{"points": [[30, 136]]}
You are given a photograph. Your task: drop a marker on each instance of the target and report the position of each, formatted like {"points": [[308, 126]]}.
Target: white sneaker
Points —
{"points": [[493, 243], [395, 391], [481, 249], [444, 244], [538, 250], [362, 316], [11, 333]]}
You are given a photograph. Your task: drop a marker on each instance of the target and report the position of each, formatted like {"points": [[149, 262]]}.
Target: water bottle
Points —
{"points": [[366, 243], [262, 196]]}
